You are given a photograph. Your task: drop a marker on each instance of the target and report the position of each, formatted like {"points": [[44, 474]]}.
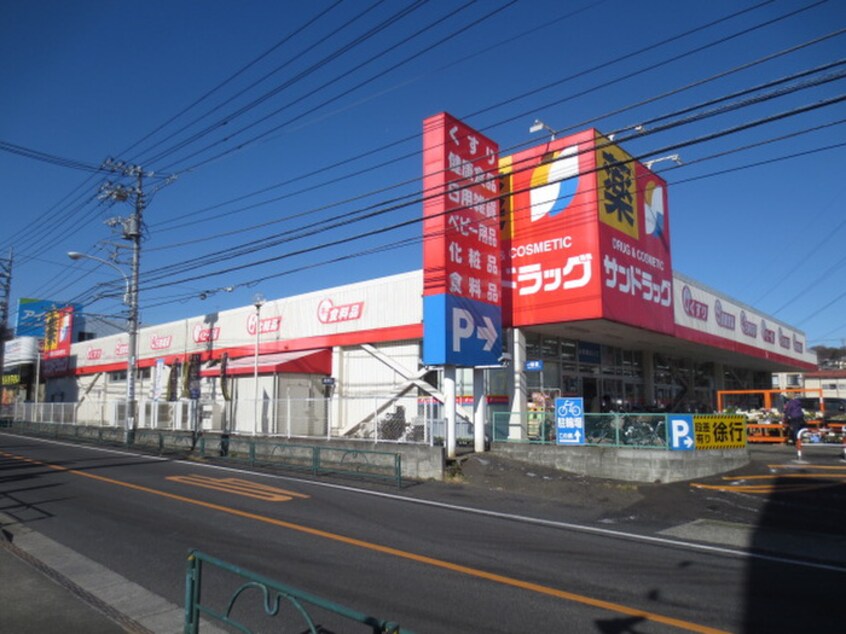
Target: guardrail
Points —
{"points": [[780, 432], [315, 459], [272, 593], [766, 433], [817, 438]]}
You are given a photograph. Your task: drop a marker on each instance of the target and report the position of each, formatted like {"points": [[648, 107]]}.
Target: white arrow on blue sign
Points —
{"points": [[461, 331], [570, 421], [681, 432]]}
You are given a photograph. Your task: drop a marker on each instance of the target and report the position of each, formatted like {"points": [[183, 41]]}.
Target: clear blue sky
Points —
{"points": [[334, 124]]}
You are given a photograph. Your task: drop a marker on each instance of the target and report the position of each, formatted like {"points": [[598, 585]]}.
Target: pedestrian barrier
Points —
{"points": [[316, 613], [766, 433], [816, 437], [316, 459]]}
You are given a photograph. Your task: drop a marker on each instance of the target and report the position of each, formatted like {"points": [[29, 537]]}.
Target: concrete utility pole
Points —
{"points": [[132, 231], [5, 292]]}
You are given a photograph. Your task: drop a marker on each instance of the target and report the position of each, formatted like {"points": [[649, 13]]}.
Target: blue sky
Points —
{"points": [[333, 125]]}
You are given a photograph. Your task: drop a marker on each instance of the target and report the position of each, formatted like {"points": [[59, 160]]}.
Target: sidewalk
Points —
{"points": [[33, 602], [46, 587]]}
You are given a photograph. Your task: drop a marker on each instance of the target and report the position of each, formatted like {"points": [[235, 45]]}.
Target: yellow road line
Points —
{"points": [[239, 487], [388, 550], [805, 466], [765, 488], [787, 476]]}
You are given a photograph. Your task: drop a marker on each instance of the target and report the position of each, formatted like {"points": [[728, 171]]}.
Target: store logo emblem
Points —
{"points": [[328, 313], [554, 183], [270, 324], [94, 354], [205, 335], [767, 334], [747, 327], [654, 209], [158, 342], [693, 308], [121, 349], [724, 319], [783, 340]]}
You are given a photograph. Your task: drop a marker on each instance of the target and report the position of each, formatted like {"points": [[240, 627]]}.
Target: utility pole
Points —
{"points": [[133, 233], [132, 229], [5, 292]]}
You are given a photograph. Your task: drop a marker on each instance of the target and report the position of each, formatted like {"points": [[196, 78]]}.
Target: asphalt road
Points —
{"points": [[502, 548]]}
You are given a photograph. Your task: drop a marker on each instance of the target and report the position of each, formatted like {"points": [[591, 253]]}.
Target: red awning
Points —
{"points": [[299, 361]]}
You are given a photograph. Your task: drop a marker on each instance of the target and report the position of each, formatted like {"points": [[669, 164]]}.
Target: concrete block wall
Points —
{"points": [[628, 464]]}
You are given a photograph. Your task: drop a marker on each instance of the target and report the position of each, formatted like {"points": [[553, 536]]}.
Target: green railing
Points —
{"points": [[304, 608], [645, 430], [315, 459]]}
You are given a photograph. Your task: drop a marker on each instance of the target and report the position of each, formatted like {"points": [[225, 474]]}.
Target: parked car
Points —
{"points": [[835, 408]]}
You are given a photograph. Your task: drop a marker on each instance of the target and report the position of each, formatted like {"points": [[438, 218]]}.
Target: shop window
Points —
{"points": [[549, 348], [632, 363], [532, 347], [568, 356]]}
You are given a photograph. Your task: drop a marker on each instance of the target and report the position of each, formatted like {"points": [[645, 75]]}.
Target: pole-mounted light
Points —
{"points": [[130, 298]]}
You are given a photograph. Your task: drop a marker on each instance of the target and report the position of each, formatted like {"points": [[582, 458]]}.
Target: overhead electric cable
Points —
{"points": [[416, 152], [410, 241], [288, 218], [455, 33], [158, 274], [318, 65], [298, 30], [271, 241]]}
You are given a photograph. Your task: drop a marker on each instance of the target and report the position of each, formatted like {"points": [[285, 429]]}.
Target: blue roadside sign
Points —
{"points": [[681, 432], [570, 421], [460, 331]]}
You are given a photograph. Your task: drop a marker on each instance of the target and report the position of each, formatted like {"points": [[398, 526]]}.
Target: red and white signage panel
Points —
{"points": [[461, 211], [634, 238], [586, 236], [550, 234]]}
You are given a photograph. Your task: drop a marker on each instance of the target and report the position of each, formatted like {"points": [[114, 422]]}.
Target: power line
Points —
{"points": [[170, 270], [271, 241], [416, 152], [298, 30], [314, 67], [420, 238], [783, 80]]}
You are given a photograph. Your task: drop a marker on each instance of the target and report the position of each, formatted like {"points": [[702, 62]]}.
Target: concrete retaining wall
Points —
{"points": [[631, 465], [419, 462]]}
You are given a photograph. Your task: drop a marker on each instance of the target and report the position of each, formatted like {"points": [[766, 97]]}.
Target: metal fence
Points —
{"points": [[318, 460], [290, 608], [610, 430], [373, 419]]}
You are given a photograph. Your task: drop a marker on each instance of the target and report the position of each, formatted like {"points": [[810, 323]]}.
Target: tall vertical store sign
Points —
{"points": [[58, 331], [462, 278], [585, 236]]}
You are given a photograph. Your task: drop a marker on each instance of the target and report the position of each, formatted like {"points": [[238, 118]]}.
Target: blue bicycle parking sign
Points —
{"points": [[570, 421]]}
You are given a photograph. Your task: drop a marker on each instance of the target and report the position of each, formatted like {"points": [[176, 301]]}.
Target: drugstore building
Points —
{"points": [[547, 273]]}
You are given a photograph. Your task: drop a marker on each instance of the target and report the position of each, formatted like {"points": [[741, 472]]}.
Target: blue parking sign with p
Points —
{"points": [[570, 421], [681, 432]]}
